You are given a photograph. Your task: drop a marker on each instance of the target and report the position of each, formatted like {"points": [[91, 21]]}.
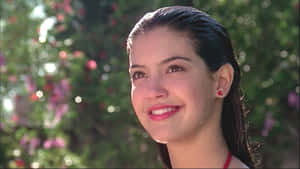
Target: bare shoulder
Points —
{"points": [[236, 163]]}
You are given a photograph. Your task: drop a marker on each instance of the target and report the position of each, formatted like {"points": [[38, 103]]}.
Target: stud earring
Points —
{"points": [[220, 93]]}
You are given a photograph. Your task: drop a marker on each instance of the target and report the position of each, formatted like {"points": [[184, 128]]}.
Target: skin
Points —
{"points": [[165, 70]]}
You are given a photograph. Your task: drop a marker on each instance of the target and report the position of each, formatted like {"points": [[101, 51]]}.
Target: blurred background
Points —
{"points": [[65, 91]]}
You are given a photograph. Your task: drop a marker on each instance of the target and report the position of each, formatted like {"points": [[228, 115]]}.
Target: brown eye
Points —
{"points": [[175, 68], [137, 75]]}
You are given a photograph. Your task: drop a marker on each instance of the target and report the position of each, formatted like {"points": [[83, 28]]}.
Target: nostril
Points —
{"points": [[161, 94], [157, 92], [156, 88]]}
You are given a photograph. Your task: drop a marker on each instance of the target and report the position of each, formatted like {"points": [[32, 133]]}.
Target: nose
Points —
{"points": [[155, 89]]}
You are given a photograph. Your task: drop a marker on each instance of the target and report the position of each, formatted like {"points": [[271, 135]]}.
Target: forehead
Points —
{"points": [[159, 43]]}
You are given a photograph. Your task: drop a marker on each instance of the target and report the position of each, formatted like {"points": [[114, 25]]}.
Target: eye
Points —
{"points": [[175, 68], [137, 75]]}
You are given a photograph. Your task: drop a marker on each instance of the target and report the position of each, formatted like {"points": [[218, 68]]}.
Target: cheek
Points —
{"points": [[201, 97], [194, 90], [136, 95], [137, 103]]}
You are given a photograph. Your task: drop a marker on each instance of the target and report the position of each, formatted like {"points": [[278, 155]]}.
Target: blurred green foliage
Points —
{"points": [[64, 86]]}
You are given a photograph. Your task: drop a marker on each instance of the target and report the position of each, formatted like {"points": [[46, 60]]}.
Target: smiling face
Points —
{"points": [[172, 91]]}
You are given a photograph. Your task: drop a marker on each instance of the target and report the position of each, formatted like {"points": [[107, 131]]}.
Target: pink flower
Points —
{"points": [[48, 144], [67, 7], [63, 54], [64, 83], [57, 95], [77, 54], [59, 143], [34, 142], [30, 85], [61, 110], [60, 17], [55, 143], [91, 64]]}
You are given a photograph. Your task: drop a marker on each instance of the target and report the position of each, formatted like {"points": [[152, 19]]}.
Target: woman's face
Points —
{"points": [[172, 91]]}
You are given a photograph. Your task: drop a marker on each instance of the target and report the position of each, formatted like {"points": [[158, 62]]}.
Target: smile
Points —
{"points": [[158, 113]]}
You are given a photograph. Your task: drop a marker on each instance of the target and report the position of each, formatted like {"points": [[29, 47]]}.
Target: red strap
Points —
{"points": [[228, 160]]}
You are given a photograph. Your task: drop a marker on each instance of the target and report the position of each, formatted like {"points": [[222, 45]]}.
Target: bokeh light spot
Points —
{"points": [[78, 99]]}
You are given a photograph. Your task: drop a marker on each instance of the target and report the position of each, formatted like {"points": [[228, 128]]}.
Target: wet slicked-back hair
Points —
{"points": [[211, 43]]}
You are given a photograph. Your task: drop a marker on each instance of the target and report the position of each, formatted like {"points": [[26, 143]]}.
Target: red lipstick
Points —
{"points": [[166, 111]]}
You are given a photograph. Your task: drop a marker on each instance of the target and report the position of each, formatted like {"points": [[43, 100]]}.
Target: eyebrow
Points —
{"points": [[164, 61]]}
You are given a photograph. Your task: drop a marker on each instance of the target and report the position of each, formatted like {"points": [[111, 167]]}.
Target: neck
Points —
{"points": [[207, 149]]}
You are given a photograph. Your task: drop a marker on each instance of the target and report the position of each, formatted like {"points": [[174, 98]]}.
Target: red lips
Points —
{"points": [[158, 117]]}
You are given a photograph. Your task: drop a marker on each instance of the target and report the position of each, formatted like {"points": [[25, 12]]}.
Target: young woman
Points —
{"points": [[185, 89]]}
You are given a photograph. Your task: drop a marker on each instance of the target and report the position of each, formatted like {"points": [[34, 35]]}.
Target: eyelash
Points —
{"points": [[136, 74], [181, 69], [169, 70]]}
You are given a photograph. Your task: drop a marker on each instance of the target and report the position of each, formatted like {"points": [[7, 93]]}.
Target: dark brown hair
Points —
{"points": [[212, 43]]}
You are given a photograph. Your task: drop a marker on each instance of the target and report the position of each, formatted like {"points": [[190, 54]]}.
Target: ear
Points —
{"points": [[223, 78]]}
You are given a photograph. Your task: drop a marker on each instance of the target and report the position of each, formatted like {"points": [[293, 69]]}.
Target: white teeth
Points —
{"points": [[162, 111]]}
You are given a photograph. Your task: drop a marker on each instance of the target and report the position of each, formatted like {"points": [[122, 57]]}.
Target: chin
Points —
{"points": [[164, 134], [161, 141], [162, 138]]}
